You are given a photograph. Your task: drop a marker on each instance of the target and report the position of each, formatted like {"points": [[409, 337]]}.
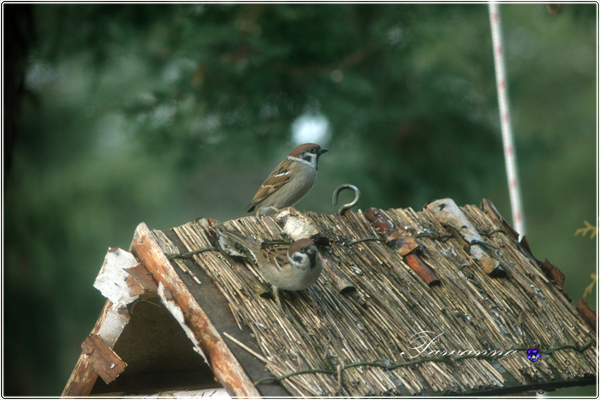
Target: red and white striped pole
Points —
{"points": [[510, 158]]}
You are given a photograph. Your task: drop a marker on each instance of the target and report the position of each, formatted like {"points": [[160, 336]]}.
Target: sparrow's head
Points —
{"points": [[308, 153], [303, 254]]}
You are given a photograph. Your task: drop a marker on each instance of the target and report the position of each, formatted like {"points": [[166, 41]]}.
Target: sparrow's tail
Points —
{"points": [[235, 244]]}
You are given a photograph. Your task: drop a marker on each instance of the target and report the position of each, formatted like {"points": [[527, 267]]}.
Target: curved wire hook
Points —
{"points": [[349, 205]]}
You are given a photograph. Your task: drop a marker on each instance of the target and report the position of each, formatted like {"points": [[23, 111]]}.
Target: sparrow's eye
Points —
{"points": [[312, 150]]}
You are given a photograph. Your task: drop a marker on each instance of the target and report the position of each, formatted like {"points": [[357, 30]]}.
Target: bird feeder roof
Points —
{"points": [[442, 301]]}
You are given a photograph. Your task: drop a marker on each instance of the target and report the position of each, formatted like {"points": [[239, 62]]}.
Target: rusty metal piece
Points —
{"points": [[104, 360], [348, 206], [399, 238], [395, 237], [588, 315], [452, 218], [375, 217], [421, 269], [404, 243]]}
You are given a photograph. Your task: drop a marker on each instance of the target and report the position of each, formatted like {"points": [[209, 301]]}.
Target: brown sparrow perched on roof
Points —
{"points": [[293, 178], [291, 267]]}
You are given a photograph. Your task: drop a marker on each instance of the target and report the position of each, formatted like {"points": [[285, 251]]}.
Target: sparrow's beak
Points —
{"points": [[322, 150]]}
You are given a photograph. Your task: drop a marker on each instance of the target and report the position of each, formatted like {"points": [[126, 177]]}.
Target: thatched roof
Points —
{"points": [[442, 301]]}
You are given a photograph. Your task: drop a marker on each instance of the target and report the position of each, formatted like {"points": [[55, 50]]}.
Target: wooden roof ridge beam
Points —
{"points": [[404, 242], [225, 366], [452, 218]]}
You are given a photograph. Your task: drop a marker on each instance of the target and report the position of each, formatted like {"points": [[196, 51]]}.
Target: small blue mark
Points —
{"points": [[533, 355]]}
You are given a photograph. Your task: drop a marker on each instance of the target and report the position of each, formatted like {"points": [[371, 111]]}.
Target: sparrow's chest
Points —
{"points": [[301, 181], [304, 179], [279, 272]]}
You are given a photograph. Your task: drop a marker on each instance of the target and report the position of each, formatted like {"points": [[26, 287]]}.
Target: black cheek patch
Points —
{"points": [[313, 259], [297, 258]]}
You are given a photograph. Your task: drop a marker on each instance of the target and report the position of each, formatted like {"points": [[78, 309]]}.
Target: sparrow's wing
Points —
{"points": [[279, 177], [276, 254], [235, 244]]}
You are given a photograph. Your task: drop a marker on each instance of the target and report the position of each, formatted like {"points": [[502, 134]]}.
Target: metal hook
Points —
{"points": [[349, 205]]}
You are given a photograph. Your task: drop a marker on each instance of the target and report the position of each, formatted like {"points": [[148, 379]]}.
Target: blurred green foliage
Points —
{"points": [[163, 113]]}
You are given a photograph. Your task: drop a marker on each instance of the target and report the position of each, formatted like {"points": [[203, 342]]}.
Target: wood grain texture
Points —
{"points": [[84, 376], [225, 366], [142, 276], [103, 359]]}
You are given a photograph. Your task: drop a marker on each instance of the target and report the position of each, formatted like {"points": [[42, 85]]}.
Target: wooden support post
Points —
{"points": [[84, 376], [225, 366]]}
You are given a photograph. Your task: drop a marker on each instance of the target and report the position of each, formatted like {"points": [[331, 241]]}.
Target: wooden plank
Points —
{"points": [[158, 353], [216, 306], [103, 359], [82, 379], [84, 376], [227, 369]]}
